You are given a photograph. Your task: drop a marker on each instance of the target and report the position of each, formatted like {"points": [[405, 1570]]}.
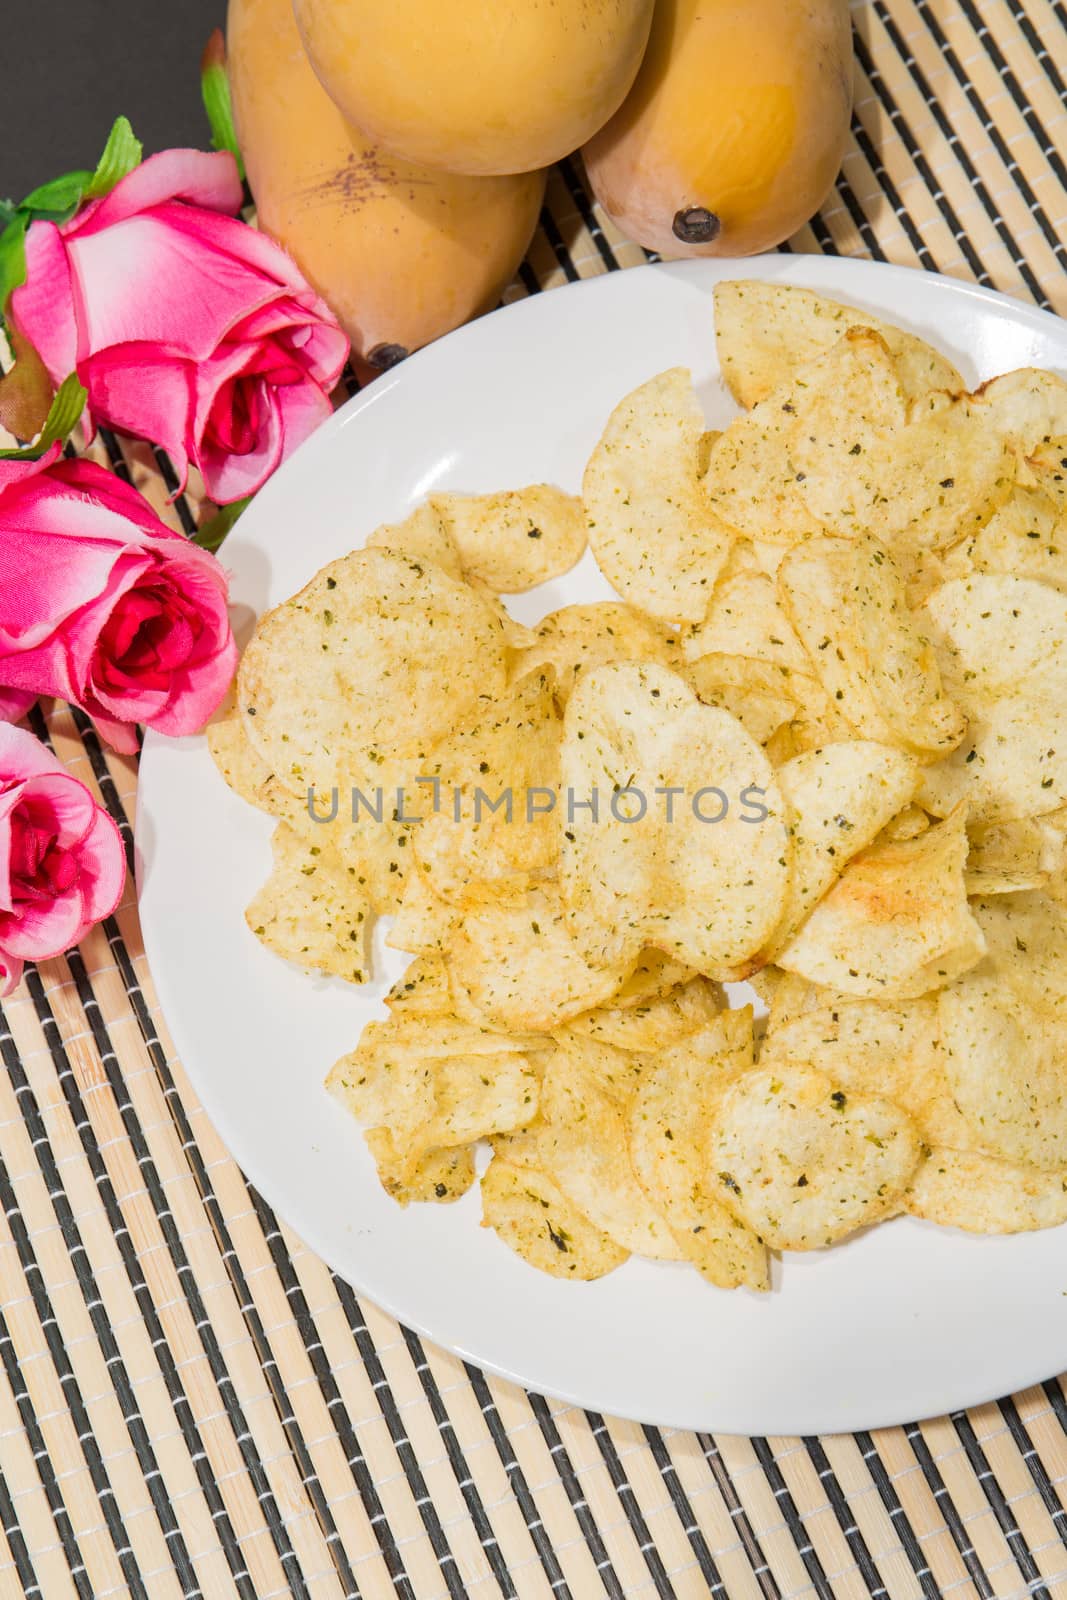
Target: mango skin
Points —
{"points": [[400, 254], [477, 86], [740, 114]]}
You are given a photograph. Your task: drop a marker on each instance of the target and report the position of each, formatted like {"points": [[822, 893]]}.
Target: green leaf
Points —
{"points": [[122, 154], [8, 212], [211, 534], [12, 258], [58, 199], [61, 421], [215, 92]]}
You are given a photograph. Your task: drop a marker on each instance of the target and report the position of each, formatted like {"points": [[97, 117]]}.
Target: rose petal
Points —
{"points": [[201, 178], [43, 307]]}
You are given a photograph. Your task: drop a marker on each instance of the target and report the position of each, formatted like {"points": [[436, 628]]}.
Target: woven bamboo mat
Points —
{"points": [[192, 1406]]}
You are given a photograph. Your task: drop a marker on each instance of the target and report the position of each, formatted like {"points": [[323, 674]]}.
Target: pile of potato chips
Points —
{"points": [[846, 616]]}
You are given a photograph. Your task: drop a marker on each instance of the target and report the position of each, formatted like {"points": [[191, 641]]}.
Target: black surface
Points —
{"points": [[73, 66]]}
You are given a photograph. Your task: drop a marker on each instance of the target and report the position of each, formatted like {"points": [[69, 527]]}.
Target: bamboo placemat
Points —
{"points": [[192, 1406]]}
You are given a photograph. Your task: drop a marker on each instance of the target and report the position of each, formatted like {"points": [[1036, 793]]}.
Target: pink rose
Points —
{"points": [[62, 865], [186, 326], [102, 604]]}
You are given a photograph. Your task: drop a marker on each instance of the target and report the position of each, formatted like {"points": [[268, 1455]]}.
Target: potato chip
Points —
{"points": [[1026, 935], [240, 764], [424, 924], [922, 475], [896, 924], [1029, 409], [669, 1122], [1005, 1065], [870, 1047], [521, 968], [656, 974], [612, 1067], [422, 536], [838, 799], [751, 481], [804, 1163], [438, 1177], [310, 910], [655, 535], [1002, 647], [707, 891], [581, 1143], [761, 715], [376, 653], [982, 1195], [1027, 538], [533, 1217], [764, 331], [513, 540], [846, 601], [656, 1023], [423, 991], [1006, 857], [491, 827], [907, 824], [578, 639], [745, 618]]}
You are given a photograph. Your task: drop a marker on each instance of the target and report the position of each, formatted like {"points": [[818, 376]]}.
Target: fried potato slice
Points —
{"points": [[846, 601], [521, 968], [576, 640], [1027, 538], [838, 800], [923, 475], [871, 1047], [1029, 409], [802, 1162], [669, 1120], [964, 1189], [493, 829], [376, 653], [764, 331], [896, 924], [239, 763], [655, 975], [762, 715], [1007, 1067], [1007, 857], [655, 1023], [423, 991], [581, 1143], [514, 539], [751, 481], [311, 910], [745, 618], [1002, 646], [655, 535], [424, 923], [422, 536], [1027, 939], [438, 1177], [533, 1217], [706, 892]]}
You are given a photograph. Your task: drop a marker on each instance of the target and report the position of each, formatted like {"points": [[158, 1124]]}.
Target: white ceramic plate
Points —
{"points": [[906, 1321]]}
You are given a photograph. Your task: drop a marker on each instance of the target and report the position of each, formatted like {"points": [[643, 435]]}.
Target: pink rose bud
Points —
{"points": [[103, 605], [186, 326], [62, 865]]}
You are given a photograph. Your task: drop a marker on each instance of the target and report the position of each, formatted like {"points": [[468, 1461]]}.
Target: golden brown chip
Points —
{"points": [[491, 824], [1002, 647], [923, 475], [652, 529], [520, 967], [804, 1163], [656, 1023], [764, 331], [533, 1217], [846, 601], [424, 924], [576, 640], [422, 536], [983, 1195], [513, 540], [310, 910], [438, 1177], [896, 924], [669, 1120], [688, 849], [377, 654], [838, 800], [423, 991]]}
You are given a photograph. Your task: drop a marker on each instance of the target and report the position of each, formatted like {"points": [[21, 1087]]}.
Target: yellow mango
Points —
{"points": [[733, 133], [401, 254], [475, 87]]}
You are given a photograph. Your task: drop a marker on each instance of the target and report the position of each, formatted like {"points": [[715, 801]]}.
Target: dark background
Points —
{"points": [[72, 66]]}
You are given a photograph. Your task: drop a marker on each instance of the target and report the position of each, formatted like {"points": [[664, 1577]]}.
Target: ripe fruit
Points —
{"points": [[476, 87], [401, 254], [734, 131]]}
